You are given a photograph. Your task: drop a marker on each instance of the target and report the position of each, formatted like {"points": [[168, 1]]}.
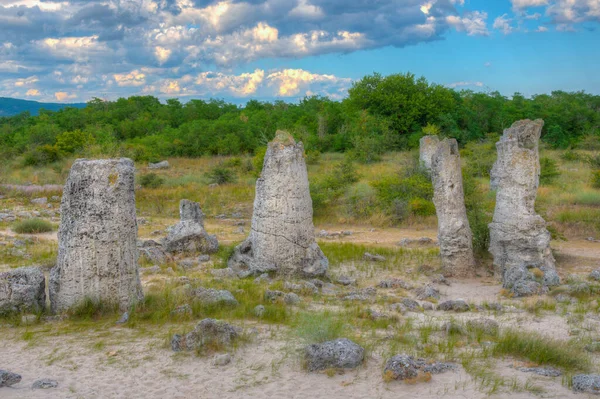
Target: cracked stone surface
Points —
{"points": [[519, 240], [454, 233], [97, 238], [282, 235], [427, 147], [22, 289], [189, 234]]}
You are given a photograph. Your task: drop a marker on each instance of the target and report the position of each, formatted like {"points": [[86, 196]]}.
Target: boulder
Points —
{"points": [[373, 257], [45, 383], [209, 296], [189, 234], [209, 332], [340, 353], [427, 147], [282, 236], [22, 290], [454, 233], [8, 378], [519, 240], [426, 292], [153, 252], [455, 305], [400, 367], [586, 383], [159, 165], [97, 237]]}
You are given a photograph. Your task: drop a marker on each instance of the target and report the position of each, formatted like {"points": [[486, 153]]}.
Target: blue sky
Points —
{"points": [[74, 50]]}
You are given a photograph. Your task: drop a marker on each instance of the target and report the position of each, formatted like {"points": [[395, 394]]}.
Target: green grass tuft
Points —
{"points": [[33, 226]]}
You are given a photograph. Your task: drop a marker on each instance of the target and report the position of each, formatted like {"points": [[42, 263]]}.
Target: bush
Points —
{"points": [[258, 160], [42, 155], [33, 226], [549, 171], [594, 161], [596, 179], [360, 201], [570, 156], [151, 180], [477, 215], [221, 175], [421, 207]]}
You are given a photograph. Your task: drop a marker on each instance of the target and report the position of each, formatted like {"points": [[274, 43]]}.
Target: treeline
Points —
{"points": [[380, 114]]}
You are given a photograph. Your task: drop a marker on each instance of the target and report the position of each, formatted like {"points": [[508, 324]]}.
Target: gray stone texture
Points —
{"points": [[340, 353], [427, 147], [519, 240], [22, 290], [97, 253], [454, 233], [189, 234], [282, 237]]}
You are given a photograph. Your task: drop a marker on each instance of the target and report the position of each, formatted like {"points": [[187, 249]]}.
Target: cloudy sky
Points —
{"points": [[74, 50]]}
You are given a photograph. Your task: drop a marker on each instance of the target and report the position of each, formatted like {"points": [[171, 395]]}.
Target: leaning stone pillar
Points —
{"points": [[282, 237], [519, 240], [454, 233], [97, 237]]}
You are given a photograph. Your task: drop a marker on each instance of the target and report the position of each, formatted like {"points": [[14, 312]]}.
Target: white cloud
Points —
{"points": [[76, 48], [290, 82], [162, 54], [238, 85], [133, 78], [463, 84], [521, 4], [541, 29], [32, 93], [306, 10], [503, 24], [474, 23], [26, 82], [63, 95]]}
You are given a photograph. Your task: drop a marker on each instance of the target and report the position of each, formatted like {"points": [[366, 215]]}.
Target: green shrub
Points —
{"points": [[480, 158], [33, 226], [221, 175], [315, 328], [367, 149], [234, 162], [570, 156], [42, 155], [313, 157], [151, 180], [549, 171], [258, 160], [421, 207], [596, 179], [479, 218], [360, 201], [594, 161]]}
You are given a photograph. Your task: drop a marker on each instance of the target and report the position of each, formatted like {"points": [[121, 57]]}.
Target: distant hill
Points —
{"points": [[14, 106]]}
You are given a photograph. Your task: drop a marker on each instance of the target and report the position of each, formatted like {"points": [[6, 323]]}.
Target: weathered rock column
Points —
{"points": [[428, 146], [189, 234], [282, 237], [519, 240], [97, 253], [454, 232]]}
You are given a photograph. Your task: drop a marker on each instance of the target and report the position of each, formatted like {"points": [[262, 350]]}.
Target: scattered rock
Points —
{"points": [[40, 201], [545, 371], [340, 353], [587, 383], [222, 360], [273, 295], [394, 283], [400, 367], [159, 165], [284, 244], [97, 237], [328, 289], [209, 296], [189, 234], [187, 264], [223, 273], [373, 258], [435, 367], [410, 304], [454, 305], [595, 275], [150, 270], [427, 305], [45, 383], [22, 289], [519, 240], [427, 292], [263, 277], [487, 326], [8, 379], [207, 332], [398, 307], [291, 298], [440, 279], [153, 252], [345, 280], [259, 311], [185, 309], [204, 258]]}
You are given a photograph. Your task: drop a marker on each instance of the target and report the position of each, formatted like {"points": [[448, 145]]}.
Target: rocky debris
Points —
{"points": [[329, 289], [223, 273], [487, 326], [415, 242], [454, 305], [97, 238], [22, 289], [153, 252], [427, 305], [346, 280], [263, 277], [40, 201], [259, 311], [410, 304], [586, 383], [185, 309], [282, 235], [440, 279], [595, 275], [150, 270], [362, 295], [400, 367], [545, 371], [394, 283], [454, 232], [204, 258], [427, 147], [340, 353], [377, 315], [209, 296], [398, 307], [437, 367], [519, 240], [207, 332], [159, 165], [305, 286], [427, 292], [222, 360], [189, 234], [291, 299], [373, 258], [124, 318], [453, 328], [8, 378], [45, 383]]}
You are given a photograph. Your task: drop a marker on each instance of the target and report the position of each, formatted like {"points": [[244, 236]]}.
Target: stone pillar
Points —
{"points": [[189, 234], [282, 236], [519, 240], [427, 147], [97, 253], [454, 232]]}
